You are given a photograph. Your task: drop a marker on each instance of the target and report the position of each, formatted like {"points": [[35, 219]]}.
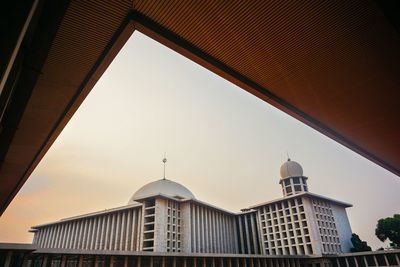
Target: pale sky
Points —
{"points": [[222, 143]]}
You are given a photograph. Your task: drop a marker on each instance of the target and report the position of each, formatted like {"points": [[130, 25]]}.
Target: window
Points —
{"points": [[297, 188], [296, 180]]}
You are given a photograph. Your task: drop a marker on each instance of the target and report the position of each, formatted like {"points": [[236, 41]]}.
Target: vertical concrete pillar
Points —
{"points": [[123, 230], [80, 261], [356, 261], [347, 262], [7, 262], [96, 233], [132, 237], [112, 234], [111, 261], [96, 261], [129, 228], [84, 235], [67, 232], [397, 258], [375, 260], [102, 232], [198, 229], [206, 231], [214, 231], [63, 261], [202, 230], [386, 260]]}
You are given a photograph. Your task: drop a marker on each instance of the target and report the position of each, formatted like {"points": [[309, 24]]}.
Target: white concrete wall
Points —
{"points": [[312, 225], [119, 230], [186, 228], [343, 227], [160, 227]]}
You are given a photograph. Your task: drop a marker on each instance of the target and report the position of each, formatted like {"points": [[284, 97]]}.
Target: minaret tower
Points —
{"points": [[292, 179]]}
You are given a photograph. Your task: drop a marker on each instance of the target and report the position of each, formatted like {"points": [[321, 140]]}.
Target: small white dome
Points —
{"points": [[291, 169], [165, 187]]}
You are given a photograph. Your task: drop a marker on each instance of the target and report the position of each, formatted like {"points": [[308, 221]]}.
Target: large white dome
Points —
{"points": [[165, 187], [291, 169]]}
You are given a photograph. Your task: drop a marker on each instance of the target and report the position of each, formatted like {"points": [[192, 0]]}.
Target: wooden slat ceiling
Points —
{"points": [[332, 64]]}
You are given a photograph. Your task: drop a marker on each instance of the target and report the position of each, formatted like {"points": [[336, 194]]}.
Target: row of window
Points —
{"points": [[173, 212], [282, 205], [325, 217], [323, 210], [290, 241], [173, 246], [326, 224], [331, 248], [285, 234], [281, 220], [282, 213], [302, 250], [330, 239], [296, 180], [173, 226]]}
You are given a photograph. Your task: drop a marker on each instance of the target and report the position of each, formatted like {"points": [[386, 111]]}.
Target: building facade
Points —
{"points": [[164, 216]]}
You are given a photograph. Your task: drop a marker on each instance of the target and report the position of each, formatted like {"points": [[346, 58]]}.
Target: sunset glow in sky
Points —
{"points": [[222, 143]]}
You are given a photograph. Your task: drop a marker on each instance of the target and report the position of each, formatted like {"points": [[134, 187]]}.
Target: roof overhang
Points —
{"points": [[304, 194]]}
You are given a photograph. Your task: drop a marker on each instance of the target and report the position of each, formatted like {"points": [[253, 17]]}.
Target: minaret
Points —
{"points": [[292, 179]]}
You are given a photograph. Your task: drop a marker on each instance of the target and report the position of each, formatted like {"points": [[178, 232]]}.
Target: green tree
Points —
{"points": [[389, 228], [358, 244]]}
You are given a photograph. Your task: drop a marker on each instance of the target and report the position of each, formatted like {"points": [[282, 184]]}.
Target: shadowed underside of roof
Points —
{"points": [[331, 64]]}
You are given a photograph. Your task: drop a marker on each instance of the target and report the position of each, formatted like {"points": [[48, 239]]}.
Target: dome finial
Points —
{"points": [[164, 161], [288, 158]]}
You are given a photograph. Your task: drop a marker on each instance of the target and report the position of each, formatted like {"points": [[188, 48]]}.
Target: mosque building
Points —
{"points": [[164, 216]]}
